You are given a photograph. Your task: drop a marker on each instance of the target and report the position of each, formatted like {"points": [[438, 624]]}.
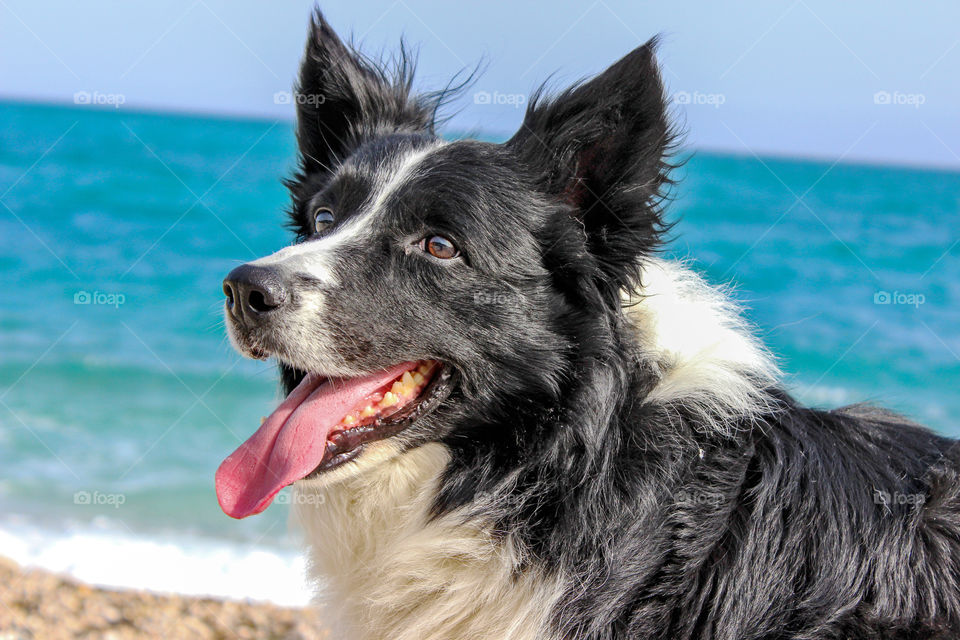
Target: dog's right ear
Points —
{"points": [[343, 99]]}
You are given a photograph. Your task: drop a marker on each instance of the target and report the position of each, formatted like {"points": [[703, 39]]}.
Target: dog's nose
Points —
{"points": [[253, 292]]}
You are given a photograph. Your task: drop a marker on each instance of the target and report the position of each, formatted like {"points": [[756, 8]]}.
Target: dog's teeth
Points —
{"points": [[263, 419], [404, 387], [389, 399]]}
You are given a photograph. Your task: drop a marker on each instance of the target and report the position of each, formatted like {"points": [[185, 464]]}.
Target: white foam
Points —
{"points": [[190, 566]]}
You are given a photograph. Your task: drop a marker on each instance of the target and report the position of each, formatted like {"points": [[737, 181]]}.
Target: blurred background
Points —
{"points": [[141, 151]]}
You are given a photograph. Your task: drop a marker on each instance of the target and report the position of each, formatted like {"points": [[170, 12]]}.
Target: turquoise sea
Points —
{"points": [[119, 394]]}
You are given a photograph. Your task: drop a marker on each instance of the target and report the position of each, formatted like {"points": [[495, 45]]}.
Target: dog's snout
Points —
{"points": [[254, 291]]}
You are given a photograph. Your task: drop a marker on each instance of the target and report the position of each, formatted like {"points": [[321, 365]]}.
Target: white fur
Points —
{"points": [[401, 172], [707, 358], [312, 258], [389, 572]]}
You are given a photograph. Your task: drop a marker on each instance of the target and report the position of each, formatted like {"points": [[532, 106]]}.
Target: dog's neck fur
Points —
{"points": [[387, 569], [703, 352]]}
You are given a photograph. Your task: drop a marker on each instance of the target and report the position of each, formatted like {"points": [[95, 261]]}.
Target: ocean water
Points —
{"points": [[119, 395]]}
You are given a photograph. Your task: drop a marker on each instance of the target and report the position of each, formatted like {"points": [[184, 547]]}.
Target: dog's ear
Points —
{"points": [[601, 149], [342, 99]]}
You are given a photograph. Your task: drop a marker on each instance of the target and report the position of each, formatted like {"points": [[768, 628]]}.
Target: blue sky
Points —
{"points": [[868, 80]]}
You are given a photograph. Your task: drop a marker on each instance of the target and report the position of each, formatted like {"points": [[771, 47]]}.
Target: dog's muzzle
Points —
{"points": [[254, 294]]}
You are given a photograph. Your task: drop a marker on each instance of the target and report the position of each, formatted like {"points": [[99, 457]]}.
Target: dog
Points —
{"points": [[508, 417]]}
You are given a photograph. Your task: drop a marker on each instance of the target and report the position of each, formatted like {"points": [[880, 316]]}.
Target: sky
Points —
{"points": [[860, 80]]}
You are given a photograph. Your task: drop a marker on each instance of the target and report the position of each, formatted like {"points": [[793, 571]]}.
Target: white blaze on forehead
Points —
{"points": [[399, 173], [315, 258]]}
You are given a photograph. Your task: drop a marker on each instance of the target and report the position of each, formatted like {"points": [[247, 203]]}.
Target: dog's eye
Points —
{"points": [[322, 219], [439, 247]]}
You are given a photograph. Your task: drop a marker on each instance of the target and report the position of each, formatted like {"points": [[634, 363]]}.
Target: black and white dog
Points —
{"points": [[507, 418]]}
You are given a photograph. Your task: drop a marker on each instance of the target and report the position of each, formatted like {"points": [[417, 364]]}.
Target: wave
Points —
{"points": [[103, 554]]}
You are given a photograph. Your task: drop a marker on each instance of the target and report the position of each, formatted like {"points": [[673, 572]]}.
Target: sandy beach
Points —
{"points": [[36, 604]]}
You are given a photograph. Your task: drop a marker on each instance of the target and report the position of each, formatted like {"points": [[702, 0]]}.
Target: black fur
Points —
{"points": [[796, 523]]}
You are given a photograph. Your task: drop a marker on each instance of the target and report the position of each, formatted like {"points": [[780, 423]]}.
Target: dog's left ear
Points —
{"points": [[343, 99], [600, 148]]}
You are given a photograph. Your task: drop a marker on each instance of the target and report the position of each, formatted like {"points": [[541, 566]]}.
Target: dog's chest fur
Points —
{"points": [[385, 570]]}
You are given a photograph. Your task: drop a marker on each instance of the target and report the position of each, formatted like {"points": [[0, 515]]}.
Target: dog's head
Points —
{"points": [[436, 284]]}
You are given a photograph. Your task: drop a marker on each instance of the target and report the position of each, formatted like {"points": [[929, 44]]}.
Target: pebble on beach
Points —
{"points": [[36, 604]]}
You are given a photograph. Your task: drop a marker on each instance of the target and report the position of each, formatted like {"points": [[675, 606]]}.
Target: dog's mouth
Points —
{"points": [[324, 423]]}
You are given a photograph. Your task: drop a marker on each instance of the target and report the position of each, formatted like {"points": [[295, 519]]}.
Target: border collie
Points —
{"points": [[508, 418]]}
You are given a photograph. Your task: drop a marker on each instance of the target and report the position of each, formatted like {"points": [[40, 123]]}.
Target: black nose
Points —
{"points": [[253, 292]]}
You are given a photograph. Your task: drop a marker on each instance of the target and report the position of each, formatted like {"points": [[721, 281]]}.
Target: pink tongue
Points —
{"points": [[292, 441]]}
